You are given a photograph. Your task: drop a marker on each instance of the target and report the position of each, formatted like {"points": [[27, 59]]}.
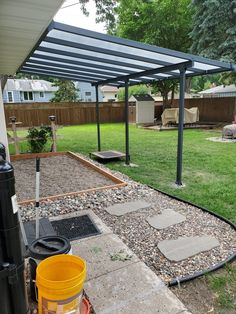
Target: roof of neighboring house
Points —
{"points": [[29, 85], [107, 88], [220, 89], [143, 97]]}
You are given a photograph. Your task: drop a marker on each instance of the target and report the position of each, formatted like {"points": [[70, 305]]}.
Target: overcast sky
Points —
{"points": [[73, 15]]}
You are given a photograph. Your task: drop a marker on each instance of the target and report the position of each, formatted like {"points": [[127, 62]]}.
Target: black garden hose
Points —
{"points": [[229, 259]]}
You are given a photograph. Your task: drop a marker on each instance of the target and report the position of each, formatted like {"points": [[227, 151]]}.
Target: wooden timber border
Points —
{"points": [[117, 182]]}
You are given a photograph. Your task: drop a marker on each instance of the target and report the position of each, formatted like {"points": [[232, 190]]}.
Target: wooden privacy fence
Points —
{"points": [[212, 109], [35, 114]]}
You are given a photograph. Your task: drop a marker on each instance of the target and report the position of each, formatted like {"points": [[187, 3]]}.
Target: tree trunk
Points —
{"points": [[165, 100]]}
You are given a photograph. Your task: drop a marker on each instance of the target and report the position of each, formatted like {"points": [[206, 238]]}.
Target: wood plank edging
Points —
{"points": [[98, 169], [54, 197], [31, 156]]}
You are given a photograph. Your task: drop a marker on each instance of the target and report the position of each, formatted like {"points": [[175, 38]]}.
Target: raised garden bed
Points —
{"points": [[62, 174]]}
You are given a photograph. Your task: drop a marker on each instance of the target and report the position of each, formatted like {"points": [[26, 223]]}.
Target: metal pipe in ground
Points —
{"points": [[37, 197]]}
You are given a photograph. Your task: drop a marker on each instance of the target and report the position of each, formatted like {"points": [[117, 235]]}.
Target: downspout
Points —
{"points": [[3, 127]]}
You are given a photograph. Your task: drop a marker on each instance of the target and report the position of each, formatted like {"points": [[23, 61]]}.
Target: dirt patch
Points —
{"points": [[196, 296], [199, 298], [58, 175]]}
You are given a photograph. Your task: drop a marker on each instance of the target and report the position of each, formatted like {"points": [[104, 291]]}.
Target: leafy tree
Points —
{"points": [[138, 90], [66, 91], [165, 23], [105, 11], [214, 30], [200, 83]]}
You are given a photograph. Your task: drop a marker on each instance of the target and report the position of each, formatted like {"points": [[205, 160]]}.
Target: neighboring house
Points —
{"points": [[87, 92], [220, 91], [26, 90], [109, 93]]}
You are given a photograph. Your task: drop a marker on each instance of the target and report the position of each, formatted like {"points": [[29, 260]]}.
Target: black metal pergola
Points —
{"points": [[77, 54]]}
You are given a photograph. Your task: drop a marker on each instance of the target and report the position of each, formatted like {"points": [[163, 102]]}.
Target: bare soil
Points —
{"points": [[197, 296], [58, 175]]}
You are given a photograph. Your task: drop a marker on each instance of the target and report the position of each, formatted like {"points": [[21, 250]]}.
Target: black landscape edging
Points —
{"points": [[229, 259]]}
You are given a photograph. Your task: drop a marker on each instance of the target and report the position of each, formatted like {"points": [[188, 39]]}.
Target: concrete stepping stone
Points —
{"points": [[167, 218], [125, 208], [184, 247]]}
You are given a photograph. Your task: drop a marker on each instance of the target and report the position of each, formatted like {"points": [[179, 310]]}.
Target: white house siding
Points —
{"points": [[107, 96]]}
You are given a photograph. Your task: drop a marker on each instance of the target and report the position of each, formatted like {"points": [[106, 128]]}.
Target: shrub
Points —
{"points": [[37, 138]]}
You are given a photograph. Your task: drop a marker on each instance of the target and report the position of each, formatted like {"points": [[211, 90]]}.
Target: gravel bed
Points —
{"points": [[58, 175], [133, 229]]}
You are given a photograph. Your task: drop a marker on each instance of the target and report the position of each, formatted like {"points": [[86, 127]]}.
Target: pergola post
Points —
{"points": [[98, 119], [3, 128], [180, 127], [127, 156]]}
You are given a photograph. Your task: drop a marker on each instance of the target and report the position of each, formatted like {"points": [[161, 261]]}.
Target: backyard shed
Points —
{"points": [[145, 108]]}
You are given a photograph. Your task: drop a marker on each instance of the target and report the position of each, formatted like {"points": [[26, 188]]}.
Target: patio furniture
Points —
{"points": [[172, 116]]}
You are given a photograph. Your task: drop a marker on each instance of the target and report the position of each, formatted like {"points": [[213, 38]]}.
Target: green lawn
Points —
{"points": [[209, 168]]}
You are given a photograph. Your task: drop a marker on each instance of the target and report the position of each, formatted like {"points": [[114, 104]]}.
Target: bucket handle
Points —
{"points": [[35, 290]]}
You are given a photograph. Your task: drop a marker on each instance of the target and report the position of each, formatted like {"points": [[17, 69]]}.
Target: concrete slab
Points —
{"points": [[184, 247], [167, 218], [134, 289], [125, 208], [103, 254]]}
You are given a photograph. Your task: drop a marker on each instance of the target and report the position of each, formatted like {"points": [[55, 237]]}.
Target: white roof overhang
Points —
{"points": [[22, 23]]}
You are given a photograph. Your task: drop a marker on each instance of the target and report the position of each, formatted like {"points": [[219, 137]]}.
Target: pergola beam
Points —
{"points": [[58, 75], [149, 72]]}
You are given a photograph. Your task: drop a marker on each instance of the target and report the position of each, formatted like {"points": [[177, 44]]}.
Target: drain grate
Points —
{"points": [[76, 227], [108, 155]]}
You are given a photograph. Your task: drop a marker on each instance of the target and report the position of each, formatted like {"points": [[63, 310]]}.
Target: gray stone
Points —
{"points": [[134, 289], [125, 208], [184, 247], [103, 254], [167, 218]]}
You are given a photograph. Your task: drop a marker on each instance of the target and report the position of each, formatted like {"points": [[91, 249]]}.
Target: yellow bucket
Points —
{"points": [[60, 280]]}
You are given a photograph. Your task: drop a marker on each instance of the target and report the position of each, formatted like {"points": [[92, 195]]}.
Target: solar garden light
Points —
{"points": [[12, 284], [54, 136]]}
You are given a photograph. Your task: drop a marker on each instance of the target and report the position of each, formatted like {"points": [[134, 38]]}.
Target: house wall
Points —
{"points": [[16, 96], [109, 95], [86, 87], [36, 97]]}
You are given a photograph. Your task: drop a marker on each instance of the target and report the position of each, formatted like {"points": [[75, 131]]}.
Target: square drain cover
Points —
{"points": [[75, 227]]}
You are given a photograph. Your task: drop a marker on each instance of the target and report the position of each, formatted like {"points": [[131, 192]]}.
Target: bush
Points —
{"points": [[37, 138]]}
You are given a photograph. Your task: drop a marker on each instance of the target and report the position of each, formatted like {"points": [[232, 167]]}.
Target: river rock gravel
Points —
{"points": [[135, 231]]}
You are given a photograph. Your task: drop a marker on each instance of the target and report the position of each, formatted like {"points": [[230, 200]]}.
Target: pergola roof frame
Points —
{"points": [[51, 45], [78, 54]]}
